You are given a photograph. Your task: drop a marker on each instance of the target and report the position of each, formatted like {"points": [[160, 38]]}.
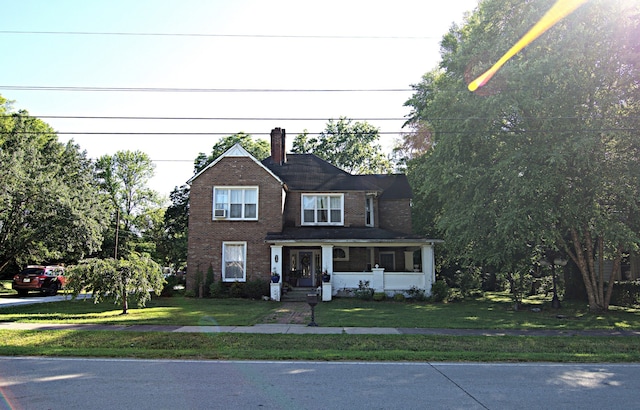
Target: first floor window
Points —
{"points": [[234, 261]]}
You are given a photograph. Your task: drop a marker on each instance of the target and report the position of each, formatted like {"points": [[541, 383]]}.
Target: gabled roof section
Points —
{"points": [[235, 151], [392, 186], [308, 172]]}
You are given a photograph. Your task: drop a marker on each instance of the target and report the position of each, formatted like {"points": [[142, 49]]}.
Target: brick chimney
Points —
{"points": [[278, 151]]}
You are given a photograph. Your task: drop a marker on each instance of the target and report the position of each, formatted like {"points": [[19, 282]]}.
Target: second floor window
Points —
{"points": [[368, 210], [235, 203], [322, 209]]}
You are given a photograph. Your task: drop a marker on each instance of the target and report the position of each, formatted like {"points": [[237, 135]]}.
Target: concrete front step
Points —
{"points": [[298, 294]]}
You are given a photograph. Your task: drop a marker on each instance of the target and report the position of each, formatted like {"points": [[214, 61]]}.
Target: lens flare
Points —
{"points": [[557, 12]]}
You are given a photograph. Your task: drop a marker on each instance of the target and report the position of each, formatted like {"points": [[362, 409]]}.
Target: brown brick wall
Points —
{"points": [[395, 215], [207, 235]]}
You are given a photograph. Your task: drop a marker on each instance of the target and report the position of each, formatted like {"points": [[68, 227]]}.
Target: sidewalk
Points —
{"points": [[279, 328]]}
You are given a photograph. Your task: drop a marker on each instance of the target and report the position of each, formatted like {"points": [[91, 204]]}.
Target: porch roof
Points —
{"points": [[357, 236]]}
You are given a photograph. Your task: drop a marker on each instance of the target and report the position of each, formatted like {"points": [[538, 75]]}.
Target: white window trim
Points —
{"points": [[244, 262], [341, 223], [228, 217]]}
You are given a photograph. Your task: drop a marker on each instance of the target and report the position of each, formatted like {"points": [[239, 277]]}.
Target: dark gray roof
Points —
{"points": [[313, 233], [308, 172]]}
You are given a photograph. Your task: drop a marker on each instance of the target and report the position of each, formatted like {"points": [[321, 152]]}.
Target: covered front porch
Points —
{"points": [[390, 266]]}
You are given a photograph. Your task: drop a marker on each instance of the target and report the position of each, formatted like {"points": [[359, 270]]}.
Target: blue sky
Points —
{"points": [[241, 44]]}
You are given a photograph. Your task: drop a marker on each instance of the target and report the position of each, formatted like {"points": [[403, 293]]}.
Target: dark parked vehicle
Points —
{"points": [[44, 279]]}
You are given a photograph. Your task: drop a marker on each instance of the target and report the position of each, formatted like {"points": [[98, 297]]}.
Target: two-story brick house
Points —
{"points": [[299, 216]]}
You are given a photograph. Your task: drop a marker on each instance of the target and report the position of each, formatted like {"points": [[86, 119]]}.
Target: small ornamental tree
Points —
{"points": [[137, 276]]}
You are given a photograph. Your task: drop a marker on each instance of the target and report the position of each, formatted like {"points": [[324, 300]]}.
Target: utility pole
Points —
{"points": [[115, 251]]}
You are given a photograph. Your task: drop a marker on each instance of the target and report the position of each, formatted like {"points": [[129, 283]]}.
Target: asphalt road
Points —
{"points": [[50, 383]]}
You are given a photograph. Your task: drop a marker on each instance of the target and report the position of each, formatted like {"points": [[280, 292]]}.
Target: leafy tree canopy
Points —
{"points": [[118, 279], [547, 154], [50, 210], [123, 179], [172, 247], [351, 146]]}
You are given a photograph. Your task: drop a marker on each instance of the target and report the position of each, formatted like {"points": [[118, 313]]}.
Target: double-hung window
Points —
{"points": [[325, 209], [234, 261], [239, 203], [368, 211]]}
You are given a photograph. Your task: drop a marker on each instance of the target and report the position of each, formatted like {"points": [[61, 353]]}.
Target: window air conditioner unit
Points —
{"points": [[220, 213]]}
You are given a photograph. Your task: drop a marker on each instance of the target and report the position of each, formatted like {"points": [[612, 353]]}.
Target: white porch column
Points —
{"points": [[276, 266], [428, 267], [276, 259], [327, 258], [327, 264]]}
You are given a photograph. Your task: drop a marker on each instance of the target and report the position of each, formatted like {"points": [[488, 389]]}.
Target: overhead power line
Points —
{"points": [[153, 118], [284, 36], [188, 133], [201, 90], [109, 117]]}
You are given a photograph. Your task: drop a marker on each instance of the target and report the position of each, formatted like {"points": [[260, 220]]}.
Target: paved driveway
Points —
{"points": [[14, 300]]}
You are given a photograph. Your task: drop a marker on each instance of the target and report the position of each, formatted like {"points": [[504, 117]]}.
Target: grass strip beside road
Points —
{"points": [[342, 347]]}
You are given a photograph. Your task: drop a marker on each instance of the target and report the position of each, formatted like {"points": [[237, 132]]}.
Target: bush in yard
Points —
{"points": [[379, 296], [439, 291], [626, 293], [256, 289], [218, 290], [171, 282], [236, 290], [468, 281], [364, 291], [399, 297], [208, 281], [416, 294]]}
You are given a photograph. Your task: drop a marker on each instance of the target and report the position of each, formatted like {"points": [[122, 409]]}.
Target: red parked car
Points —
{"points": [[44, 279]]}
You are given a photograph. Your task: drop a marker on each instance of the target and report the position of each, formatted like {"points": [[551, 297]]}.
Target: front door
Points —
{"points": [[307, 266]]}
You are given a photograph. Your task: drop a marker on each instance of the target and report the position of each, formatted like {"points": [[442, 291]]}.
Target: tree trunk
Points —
{"points": [[612, 278], [125, 303], [578, 256]]}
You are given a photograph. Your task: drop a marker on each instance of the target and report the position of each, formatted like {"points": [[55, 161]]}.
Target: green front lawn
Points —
{"points": [[227, 346], [493, 311], [159, 311]]}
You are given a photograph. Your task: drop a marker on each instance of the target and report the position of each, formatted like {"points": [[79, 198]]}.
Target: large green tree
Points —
{"points": [[172, 247], [50, 210], [123, 179], [546, 156], [351, 146]]}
